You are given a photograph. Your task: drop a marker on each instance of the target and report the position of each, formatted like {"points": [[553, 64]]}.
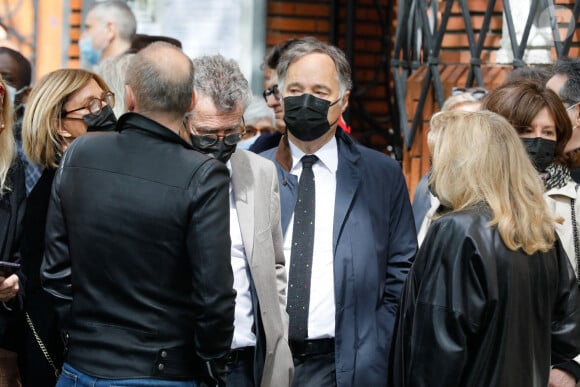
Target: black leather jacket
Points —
{"points": [[474, 313], [138, 254]]}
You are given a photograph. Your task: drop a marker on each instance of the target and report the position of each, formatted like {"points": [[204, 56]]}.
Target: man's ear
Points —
{"points": [[111, 31], [344, 101], [193, 101], [130, 103]]}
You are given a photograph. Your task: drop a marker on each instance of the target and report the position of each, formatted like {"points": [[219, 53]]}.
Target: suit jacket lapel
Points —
{"points": [[243, 188], [347, 183]]}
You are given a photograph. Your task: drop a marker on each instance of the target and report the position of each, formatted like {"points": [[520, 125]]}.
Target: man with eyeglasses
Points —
{"points": [[259, 352], [137, 241], [565, 82]]}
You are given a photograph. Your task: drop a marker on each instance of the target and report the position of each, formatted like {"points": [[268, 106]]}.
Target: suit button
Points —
{"points": [[160, 366], [164, 354]]}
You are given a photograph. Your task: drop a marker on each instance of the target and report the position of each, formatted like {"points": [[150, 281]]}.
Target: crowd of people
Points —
{"points": [[163, 226]]}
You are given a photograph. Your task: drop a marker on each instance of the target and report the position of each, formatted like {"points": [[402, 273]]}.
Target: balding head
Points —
{"points": [[161, 81]]}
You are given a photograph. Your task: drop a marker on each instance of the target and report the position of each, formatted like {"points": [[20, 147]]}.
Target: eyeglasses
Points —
{"points": [[207, 140], [95, 105], [572, 106], [251, 130], [271, 91], [476, 92]]}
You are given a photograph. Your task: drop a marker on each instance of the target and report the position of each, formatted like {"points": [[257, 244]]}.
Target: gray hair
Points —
{"points": [[113, 70], [161, 78], [259, 110], [120, 14], [310, 45], [221, 80]]}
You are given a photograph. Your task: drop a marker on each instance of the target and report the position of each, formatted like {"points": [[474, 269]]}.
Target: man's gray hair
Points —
{"points": [[120, 14], [222, 80], [311, 45], [161, 82]]}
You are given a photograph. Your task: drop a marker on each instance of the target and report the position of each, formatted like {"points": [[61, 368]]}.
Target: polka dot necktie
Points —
{"points": [[301, 253]]}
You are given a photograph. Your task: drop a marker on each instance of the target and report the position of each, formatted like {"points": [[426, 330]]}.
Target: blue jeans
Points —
{"points": [[71, 377]]}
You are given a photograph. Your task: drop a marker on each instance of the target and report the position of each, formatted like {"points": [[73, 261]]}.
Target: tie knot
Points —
{"points": [[308, 161]]}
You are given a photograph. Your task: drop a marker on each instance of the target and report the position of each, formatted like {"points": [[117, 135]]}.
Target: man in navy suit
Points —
{"points": [[364, 237]]}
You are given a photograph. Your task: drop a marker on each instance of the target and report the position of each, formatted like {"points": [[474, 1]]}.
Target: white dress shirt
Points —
{"points": [[321, 313], [243, 314]]}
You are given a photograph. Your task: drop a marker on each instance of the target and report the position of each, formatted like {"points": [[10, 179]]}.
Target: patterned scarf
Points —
{"points": [[556, 176]]}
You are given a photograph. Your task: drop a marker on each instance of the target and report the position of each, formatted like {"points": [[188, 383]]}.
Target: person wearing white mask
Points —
{"points": [[109, 28]]}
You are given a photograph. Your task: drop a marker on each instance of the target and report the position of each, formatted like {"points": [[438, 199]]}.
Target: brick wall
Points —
{"points": [[368, 113]]}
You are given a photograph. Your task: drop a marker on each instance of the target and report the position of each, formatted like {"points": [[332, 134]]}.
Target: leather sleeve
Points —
{"points": [[431, 332], [55, 270], [209, 248], [566, 320]]}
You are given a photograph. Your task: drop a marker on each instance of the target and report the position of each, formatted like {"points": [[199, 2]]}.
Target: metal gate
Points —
{"points": [[418, 41]]}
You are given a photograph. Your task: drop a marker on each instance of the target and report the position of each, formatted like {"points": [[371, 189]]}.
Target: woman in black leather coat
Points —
{"points": [[491, 296]]}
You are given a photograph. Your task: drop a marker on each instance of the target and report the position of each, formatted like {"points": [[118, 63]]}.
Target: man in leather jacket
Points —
{"points": [[138, 248]]}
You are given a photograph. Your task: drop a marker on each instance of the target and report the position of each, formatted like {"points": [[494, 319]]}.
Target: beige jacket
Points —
{"points": [[255, 186]]}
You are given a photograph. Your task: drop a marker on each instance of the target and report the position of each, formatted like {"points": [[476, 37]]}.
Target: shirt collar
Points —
{"points": [[327, 156]]}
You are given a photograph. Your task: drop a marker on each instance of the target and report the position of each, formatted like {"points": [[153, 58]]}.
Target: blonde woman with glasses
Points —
{"points": [[64, 105], [491, 296]]}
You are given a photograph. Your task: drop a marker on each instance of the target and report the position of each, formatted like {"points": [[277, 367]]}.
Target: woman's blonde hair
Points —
{"points": [[7, 142], [479, 158], [43, 116]]}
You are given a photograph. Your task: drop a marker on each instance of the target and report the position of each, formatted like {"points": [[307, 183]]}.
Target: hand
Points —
{"points": [[9, 287], [560, 378]]}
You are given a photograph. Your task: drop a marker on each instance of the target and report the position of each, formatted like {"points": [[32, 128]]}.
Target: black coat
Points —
{"points": [[474, 313], [138, 253], [12, 207], [34, 367]]}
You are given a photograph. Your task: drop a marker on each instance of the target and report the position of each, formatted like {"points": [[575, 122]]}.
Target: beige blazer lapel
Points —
{"points": [[243, 188]]}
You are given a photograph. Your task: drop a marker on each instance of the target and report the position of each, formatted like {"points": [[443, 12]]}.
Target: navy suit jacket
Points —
{"points": [[374, 243]]}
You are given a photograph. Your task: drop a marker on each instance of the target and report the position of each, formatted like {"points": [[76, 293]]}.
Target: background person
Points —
{"points": [[113, 70], [424, 203], [109, 29], [17, 73], [565, 82], [491, 297], [258, 119]]}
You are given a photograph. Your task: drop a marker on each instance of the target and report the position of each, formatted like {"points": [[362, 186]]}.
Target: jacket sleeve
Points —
{"points": [[209, 249], [566, 319], [55, 270], [278, 239], [431, 333], [402, 244]]}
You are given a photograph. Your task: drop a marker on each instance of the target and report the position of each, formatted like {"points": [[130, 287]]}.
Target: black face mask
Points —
{"points": [[540, 151], [306, 116], [220, 150], [104, 122]]}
